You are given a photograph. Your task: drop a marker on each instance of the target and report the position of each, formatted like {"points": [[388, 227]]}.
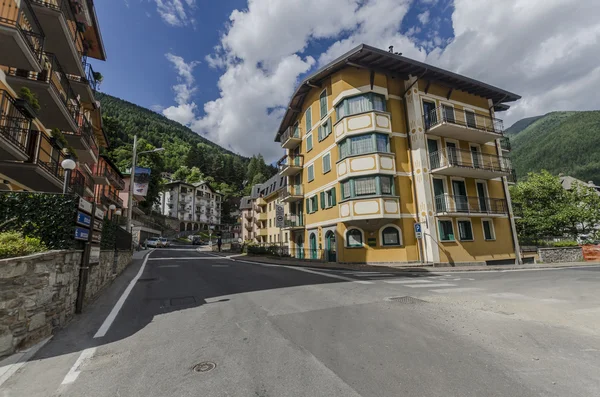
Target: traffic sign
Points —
{"points": [[418, 231]]}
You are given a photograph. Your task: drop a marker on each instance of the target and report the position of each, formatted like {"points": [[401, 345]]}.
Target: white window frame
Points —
{"points": [[449, 104], [328, 155], [362, 237], [458, 228], [492, 229], [309, 168], [326, 100], [439, 230], [400, 239]]}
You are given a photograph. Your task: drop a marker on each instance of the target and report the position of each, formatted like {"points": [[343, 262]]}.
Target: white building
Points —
{"points": [[196, 205]]}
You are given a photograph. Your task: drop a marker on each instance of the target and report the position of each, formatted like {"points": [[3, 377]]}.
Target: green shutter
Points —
{"points": [[322, 200], [323, 103], [320, 133], [308, 119], [309, 144], [308, 206], [316, 203], [333, 197]]}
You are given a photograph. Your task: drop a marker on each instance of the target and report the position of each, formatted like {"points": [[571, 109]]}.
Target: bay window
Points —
{"points": [[359, 104], [376, 185], [362, 144]]}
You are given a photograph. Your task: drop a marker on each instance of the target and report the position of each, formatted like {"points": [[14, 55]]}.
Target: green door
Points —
{"points": [[330, 246], [299, 247], [313, 246]]}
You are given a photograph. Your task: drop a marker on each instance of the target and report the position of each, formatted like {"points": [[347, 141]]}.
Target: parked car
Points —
{"points": [[165, 242], [153, 242]]}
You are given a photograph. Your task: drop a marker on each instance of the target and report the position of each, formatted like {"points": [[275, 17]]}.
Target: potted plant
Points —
{"points": [[58, 139], [71, 153], [98, 77], [28, 103]]}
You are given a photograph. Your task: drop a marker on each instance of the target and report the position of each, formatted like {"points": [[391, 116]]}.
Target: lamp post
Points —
{"points": [[68, 165]]}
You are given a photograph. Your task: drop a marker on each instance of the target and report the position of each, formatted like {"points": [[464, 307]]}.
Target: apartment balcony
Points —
{"points": [[84, 85], [449, 205], [249, 227], [468, 164], [293, 222], [369, 208], [261, 202], [77, 183], [367, 164], [111, 197], [466, 126], [505, 144], [42, 171], [88, 184], [62, 35], [291, 193], [104, 174], [84, 142], [21, 36], [291, 138], [512, 178], [356, 124], [290, 165], [262, 216], [262, 233], [14, 129], [59, 104], [249, 215]]}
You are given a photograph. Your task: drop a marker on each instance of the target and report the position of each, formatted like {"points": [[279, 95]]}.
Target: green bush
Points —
{"points": [[14, 244], [566, 243]]}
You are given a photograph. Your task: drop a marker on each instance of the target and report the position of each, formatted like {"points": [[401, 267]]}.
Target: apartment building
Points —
{"points": [[44, 50], [196, 205], [109, 183], [376, 143]]}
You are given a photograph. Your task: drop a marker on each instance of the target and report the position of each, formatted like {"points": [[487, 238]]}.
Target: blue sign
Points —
{"points": [[82, 234], [418, 231], [83, 219]]}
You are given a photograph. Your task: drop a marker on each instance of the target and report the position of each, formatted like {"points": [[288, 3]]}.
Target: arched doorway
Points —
{"points": [[299, 247], [182, 227], [330, 246], [196, 226], [189, 226], [313, 245]]}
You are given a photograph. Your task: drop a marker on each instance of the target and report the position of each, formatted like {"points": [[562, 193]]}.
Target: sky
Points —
{"points": [[227, 68]]}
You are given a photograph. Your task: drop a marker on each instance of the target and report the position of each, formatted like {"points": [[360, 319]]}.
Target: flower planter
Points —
{"points": [[25, 108]]}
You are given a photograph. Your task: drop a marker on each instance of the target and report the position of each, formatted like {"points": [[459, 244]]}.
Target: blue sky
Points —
{"points": [[220, 67]]}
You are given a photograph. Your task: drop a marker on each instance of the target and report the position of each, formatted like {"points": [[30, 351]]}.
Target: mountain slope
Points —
{"points": [[521, 125], [567, 142]]}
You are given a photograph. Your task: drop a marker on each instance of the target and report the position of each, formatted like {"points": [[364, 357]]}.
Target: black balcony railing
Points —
{"points": [[14, 125], [291, 132], [26, 22], [102, 168], [450, 156], [293, 221], [470, 205], [64, 6], [447, 114], [86, 132], [505, 143], [512, 178], [109, 197], [77, 182], [292, 160], [43, 152], [89, 181]]}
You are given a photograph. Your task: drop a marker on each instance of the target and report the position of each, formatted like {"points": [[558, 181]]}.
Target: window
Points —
{"points": [[309, 142], [311, 172], [386, 185], [446, 230], [325, 130], [269, 206], [354, 238], [327, 163], [465, 230], [328, 198], [365, 186], [269, 238], [488, 229], [448, 113], [362, 144], [470, 118], [312, 204], [269, 223], [286, 237], [346, 193], [359, 104], [323, 103], [308, 119], [390, 236]]}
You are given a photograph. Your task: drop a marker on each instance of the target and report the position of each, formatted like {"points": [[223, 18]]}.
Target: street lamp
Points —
{"points": [[68, 165]]}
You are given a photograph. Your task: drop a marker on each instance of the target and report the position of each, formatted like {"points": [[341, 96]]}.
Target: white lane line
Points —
{"points": [[406, 281], [115, 310], [376, 275], [457, 290], [432, 285], [74, 371], [177, 258], [162, 266]]}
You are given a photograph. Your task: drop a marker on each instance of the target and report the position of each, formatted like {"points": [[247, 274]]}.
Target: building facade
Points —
{"points": [[376, 143], [196, 205]]}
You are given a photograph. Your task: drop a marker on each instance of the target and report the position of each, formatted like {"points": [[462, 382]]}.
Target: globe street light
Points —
{"points": [[68, 165]]}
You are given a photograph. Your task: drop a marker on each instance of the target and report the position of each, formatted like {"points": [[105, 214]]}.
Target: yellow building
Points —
{"points": [[377, 143]]}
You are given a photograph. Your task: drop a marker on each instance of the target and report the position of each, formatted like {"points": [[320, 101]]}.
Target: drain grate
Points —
{"points": [[204, 366], [405, 299]]}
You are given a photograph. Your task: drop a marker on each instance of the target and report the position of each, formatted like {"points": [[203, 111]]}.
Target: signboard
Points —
{"points": [[141, 180], [279, 213], [372, 242], [99, 213], [96, 237], [418, 231], [98, 225], [95, 254], [85, 205], [83, 219], [82, 234]]}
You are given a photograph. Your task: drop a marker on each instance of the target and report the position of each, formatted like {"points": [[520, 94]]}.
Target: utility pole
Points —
{"points": [[131, 183]]}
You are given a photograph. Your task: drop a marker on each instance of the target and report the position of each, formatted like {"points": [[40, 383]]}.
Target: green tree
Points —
{"points": [[182, 173], [583, 211], [195, 175]]}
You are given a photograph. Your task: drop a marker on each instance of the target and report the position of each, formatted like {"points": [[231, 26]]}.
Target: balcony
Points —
{"points": [[466, 126], [362, 123], [84, 142], [88, 184], [104, 174], [249, 215], [262, 216], [262, 233], [77, 183], [261, 202], [293, 222], [367, 164], [448, 205], [249, 226], [62, 35], [14, 130], [84, 85], [465, 163], [291, 137], [291, 193], [512, 178], [505, 144], [59, 104], [42, 171], [290, 164], [108, 197], [21, 36], [369, 208]]}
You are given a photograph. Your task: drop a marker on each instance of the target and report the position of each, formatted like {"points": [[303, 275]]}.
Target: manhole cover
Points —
{"points": [[405, 299], [204, 367]]}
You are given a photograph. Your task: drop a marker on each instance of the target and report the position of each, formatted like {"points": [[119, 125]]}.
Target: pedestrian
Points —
{"points": [[219, 242]]}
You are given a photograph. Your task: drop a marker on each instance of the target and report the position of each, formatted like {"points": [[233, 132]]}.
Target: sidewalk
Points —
{"points": [[396, 268]]}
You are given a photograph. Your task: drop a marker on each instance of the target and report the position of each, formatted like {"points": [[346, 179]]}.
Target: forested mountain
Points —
{"points": [[521, 125], [560, 142], [187, 155]]}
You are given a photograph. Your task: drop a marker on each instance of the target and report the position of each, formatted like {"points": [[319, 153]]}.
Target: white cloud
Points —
{"points": [[157, 108], [175, 12], [423, 17], [184, 112]]}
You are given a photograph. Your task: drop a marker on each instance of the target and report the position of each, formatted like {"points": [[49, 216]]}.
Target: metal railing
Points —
{"points": [[291, 160], [86, 132], [469, 205], [447, 114], [89, 181], [512, 178], [293, 221], [77, 182], [14, 125], [291, 190], [64, 6], [102, 168], [43, 152], [291, 132], [112, 196], [26, 22], [450, 156], [505, 143]]}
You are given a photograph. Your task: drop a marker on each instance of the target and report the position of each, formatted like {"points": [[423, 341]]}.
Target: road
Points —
{"points": [[289, 331]]}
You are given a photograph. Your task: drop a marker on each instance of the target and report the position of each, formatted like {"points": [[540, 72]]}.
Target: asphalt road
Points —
{"points": [[281, 331]]}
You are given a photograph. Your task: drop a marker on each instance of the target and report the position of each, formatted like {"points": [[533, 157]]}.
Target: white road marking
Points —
{"points": [[431, 285], [177, 258], [457, 290], [169, 266], [115, 310], [406, 281], [10, 365], [74, 371], [220, 265]]}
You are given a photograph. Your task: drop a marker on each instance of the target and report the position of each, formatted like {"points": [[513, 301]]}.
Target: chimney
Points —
{"points": [[391, 49]]}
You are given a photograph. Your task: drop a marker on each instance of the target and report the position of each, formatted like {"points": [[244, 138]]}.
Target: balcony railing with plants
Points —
{"points": [[512, 178], [86, 132], [446, 114], [465, 158], [290, 190], [291, 160], [470, 205], [112, 196], [14, 125], [26, 22]]}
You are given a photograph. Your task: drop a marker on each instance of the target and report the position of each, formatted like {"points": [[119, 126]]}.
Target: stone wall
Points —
{"points": [[560, 254], [101, 274]]}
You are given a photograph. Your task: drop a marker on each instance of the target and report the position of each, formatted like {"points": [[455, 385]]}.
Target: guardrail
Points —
{"points": [[469, 205], [447, 114], [450, 156]]}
